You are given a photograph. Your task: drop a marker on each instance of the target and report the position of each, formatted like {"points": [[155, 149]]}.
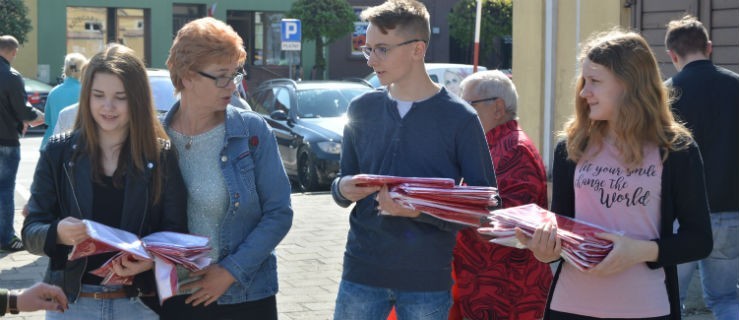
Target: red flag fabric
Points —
{"points": [[580, 246]]}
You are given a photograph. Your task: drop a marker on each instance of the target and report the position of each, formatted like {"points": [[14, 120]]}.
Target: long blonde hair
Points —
{"points": [[644, 114]]}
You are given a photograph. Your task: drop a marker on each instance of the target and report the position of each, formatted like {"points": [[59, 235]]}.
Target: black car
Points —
{"points": [[308, 120], [36, 93]]}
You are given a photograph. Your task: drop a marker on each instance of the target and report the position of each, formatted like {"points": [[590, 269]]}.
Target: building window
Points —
{"points": [[86, 30], [267, 45], [184, 13], [90, 29], [359, 36]]}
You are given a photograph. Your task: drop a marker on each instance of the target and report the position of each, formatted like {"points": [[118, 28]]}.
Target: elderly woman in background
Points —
{"points": [[67, 93], [239, 194]]}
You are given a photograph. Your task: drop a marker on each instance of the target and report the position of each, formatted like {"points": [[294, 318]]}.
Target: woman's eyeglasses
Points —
{"points": [[223, 82], [381, 51]]}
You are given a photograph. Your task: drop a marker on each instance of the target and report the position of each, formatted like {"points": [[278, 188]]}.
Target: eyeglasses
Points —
{"points": [[381, 51], [482, 100], [223, 82]]}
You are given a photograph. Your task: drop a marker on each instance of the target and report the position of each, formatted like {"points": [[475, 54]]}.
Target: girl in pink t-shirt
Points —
{"points": [[625, 164]]}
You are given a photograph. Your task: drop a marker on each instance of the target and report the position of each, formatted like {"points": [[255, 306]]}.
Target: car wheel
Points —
{"points": [[307, 173]]}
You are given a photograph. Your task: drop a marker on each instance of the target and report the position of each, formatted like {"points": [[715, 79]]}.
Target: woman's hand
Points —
{"points": [[626, 253], [131, 265], [349, 189], [214, 282], [71, 231], [544, 244], [388, 206]]}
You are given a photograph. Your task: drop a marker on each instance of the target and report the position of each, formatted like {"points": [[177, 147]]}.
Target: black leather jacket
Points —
{"points": [[62, 187]]}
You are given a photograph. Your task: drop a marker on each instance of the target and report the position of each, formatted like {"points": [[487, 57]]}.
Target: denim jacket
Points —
{"points": [[259, 213]]}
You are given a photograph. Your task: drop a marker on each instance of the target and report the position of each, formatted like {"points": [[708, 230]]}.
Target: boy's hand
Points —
{"points": [[349, 189], [388, 206]]}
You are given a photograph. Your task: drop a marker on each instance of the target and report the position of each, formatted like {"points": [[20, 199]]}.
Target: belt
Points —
{"points": [[111, 295]]}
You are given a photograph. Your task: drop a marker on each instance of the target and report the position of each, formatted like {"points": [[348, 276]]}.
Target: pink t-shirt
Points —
{"points": [[626, 202]]}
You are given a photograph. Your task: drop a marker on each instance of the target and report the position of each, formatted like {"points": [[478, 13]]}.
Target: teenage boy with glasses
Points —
{"points": [[396, 256]]}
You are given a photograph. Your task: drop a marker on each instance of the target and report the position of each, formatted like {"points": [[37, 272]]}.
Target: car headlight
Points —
{"points": [[330, 147]]}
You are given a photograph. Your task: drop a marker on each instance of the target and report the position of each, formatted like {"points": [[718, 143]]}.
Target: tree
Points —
{"points": [[497, 17], [323, 21], [14, 19]]}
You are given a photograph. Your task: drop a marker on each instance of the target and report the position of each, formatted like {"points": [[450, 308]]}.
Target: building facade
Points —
{"points": [[548, 33], [148, 27]]}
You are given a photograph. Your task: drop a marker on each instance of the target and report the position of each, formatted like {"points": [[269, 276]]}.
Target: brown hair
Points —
{"points": [[201, 42], [410, 17], [142, 146], [8, 43], [686, 36], [644, 115]]}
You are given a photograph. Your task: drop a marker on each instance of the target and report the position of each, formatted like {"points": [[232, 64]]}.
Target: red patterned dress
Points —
{"points": [[494, 281]]}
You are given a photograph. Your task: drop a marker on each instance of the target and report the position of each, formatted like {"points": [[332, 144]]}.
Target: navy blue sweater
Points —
{"points": [[708, 100], [439, 137]]}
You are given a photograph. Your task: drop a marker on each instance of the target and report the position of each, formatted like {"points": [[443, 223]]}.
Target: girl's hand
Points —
{"points": [[544, 244], [626, 253], [71, 231], [131, 265]]}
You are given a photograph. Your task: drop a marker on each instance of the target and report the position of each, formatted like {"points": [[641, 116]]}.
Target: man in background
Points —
{"points": [[708, 101], [15, 117]]}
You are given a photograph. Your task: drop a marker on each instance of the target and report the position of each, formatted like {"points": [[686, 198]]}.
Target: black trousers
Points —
{"points": [[175, 308]]}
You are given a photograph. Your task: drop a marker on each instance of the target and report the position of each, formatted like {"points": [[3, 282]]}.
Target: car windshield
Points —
{"points": [[36, 86], [162, 91], [323, 103]]}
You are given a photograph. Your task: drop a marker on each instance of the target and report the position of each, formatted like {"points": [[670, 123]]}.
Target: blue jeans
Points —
{"points": [[104, 309], [10, 158], [720, 270], [359, 302]]}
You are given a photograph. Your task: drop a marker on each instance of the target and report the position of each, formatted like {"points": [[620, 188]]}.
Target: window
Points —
{"points": [[93, 26], [267, 43], [90, 29], [282, 99], [263, 102], [184, 13]]}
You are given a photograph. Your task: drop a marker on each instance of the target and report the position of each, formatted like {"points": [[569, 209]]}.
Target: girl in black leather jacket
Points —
{"points": [[115, 168]]}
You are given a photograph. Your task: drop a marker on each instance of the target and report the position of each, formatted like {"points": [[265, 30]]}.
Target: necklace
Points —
{"points": [[189, 143]]}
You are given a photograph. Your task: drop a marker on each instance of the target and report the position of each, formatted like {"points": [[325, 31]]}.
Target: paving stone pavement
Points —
{"points": [[309, 258], [309, 263]]}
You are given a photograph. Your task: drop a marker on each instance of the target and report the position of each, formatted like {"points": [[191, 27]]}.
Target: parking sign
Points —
{"points": [[291, 34]]}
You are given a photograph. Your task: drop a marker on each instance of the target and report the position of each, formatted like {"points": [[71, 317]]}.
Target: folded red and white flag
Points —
{"points": [[437, 197], [580, 246], [368, 180], [165, 248]]}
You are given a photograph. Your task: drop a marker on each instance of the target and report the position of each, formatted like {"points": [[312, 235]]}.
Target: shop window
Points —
{"points": [[89, 30]]}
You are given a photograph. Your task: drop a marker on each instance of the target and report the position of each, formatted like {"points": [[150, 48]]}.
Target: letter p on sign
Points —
{"points": [[291, 34]]}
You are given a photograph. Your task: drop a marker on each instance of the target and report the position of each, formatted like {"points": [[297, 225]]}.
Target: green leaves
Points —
{"points": [[323, 21], [330, 19], [14, 19], [497, 20]]}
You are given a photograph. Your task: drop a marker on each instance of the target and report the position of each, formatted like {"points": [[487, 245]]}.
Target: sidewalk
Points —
{"points": [[309, 263]]}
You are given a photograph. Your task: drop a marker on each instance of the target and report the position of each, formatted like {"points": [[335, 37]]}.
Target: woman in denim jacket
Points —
{"points": [[238, 192]]}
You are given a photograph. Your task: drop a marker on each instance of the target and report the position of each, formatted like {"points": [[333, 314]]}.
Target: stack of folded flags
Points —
{"points": [[580, 246], [165, 248], [474, 206], [438, 197]]}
